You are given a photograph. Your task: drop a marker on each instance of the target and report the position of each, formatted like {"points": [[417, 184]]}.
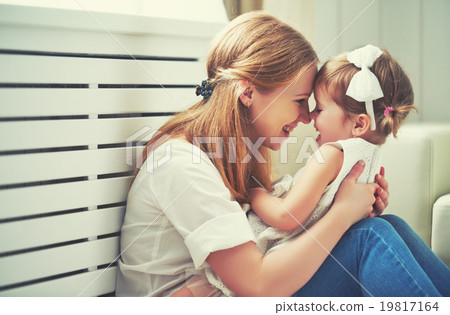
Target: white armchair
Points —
{"points": [[418, 171]]}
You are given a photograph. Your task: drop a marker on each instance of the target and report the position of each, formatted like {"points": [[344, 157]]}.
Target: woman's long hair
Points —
{"points": [[255, 47]]}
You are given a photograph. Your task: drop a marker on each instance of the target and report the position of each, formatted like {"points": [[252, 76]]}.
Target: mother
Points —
{"points": [[185, 215]]}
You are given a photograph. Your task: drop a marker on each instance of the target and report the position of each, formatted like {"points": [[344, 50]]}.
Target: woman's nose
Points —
{"points": [[304, 115]]}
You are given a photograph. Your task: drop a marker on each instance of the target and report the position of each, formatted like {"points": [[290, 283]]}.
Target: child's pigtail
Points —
{"points": [[393, 108], [393, 117]]}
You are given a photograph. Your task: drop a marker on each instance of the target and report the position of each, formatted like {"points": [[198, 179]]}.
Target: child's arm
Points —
{"points": [[266, 206], [287, 214]]}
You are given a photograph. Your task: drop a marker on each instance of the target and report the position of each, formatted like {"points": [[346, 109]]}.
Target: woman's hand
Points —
{"points": [[355, 200], [382, 195]]}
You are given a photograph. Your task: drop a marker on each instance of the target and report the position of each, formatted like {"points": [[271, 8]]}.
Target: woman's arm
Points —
{"points": [[289, 213], [248, 273]]}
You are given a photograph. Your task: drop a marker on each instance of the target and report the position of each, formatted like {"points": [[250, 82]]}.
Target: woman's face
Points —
{"points": [[276, 113], [329, 118]]}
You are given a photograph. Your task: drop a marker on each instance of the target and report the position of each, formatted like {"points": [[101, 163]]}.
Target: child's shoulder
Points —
{"points": [[331, 149], [355, 142], [350, 144], [331, 155]]}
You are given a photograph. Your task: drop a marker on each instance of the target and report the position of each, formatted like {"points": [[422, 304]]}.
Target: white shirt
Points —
{"points": [[178, 212]]}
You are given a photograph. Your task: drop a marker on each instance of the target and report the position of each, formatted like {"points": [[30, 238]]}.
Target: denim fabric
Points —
{"points": [[380, 256]]}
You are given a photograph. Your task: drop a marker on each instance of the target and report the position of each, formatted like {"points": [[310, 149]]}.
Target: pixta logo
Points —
{"points": [[137, 143]]}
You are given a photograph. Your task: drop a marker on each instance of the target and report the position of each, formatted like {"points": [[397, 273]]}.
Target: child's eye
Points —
{"points": [[302, 101]]}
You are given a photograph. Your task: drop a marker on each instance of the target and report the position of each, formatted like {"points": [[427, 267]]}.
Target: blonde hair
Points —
{"points": [[255, 47], [335, 76]]}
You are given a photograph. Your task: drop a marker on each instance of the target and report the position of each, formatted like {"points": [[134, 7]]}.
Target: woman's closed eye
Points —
{"points": [[302, 101]]}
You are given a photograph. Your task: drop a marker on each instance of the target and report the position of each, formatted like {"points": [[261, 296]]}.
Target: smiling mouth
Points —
{"points": [[318, 136]]}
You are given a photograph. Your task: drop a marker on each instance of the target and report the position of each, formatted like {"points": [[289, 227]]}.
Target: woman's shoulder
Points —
{"points": [[176, 158], [175, 165], [177, 146], [178, 150]]}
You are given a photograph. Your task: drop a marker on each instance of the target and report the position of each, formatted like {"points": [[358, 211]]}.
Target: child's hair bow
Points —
{"points": [[364, 86]]}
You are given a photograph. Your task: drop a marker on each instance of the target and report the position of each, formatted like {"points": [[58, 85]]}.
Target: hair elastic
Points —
{"points": [[388, 110]]}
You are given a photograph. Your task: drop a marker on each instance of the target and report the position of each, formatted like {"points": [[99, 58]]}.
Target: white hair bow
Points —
{"points": [[364, 86]]}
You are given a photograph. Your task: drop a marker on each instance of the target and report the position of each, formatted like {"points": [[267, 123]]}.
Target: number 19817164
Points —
{"points": [[409, 306]]}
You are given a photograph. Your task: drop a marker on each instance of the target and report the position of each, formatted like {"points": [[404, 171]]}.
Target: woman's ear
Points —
{"points": [[246, 97], [361, 124]]}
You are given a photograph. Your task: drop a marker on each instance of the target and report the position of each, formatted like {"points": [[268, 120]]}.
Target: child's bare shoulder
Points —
{"points": [[331, 157], [331, 152]]}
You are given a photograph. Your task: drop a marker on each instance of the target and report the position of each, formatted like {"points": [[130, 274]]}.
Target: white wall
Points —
{"points": [[414, 31]]}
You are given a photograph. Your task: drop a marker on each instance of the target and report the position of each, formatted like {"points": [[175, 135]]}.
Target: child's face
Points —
{"points": [[329, 119]]}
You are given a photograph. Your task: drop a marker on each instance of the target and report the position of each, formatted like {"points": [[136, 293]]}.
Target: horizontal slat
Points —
{"points": [[19, 135], [60, 102], [35, 167], [93, 283], [59, 260], [42, 69], [102, 21], [19, 37], [19, 202], [60, 228]]}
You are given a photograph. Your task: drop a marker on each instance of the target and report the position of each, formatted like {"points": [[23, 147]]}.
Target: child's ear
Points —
{"points": [[361, 124], [246, 97]]}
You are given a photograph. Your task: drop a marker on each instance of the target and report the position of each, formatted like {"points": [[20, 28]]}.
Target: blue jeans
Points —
{"points": [[382, 257]]}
